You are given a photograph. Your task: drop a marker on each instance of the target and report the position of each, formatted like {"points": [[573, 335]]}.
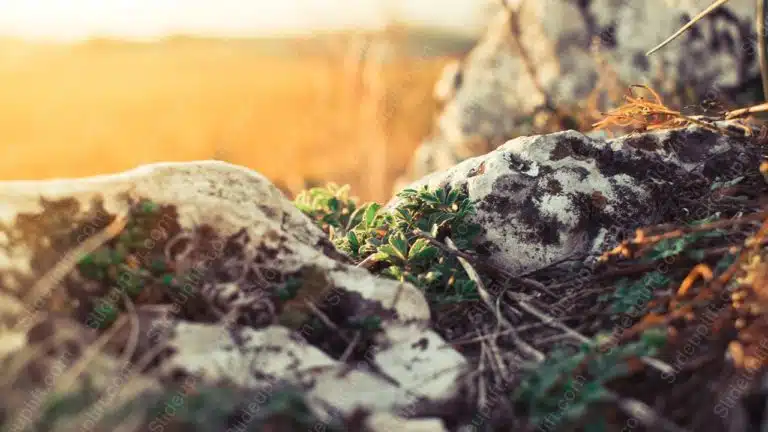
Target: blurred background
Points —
{"points": [[303, 91]]}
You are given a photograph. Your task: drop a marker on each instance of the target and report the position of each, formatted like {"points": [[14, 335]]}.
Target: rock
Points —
{"points": [[503, 89], [383, 422], [237, 288], [542, 198]]}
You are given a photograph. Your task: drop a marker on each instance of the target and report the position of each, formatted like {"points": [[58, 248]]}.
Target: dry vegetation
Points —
{"points": [[100, 108]]}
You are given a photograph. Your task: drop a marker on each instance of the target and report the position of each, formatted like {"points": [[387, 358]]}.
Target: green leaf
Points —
{"points": [[442, 196], [421, 250], [574, 411], [593, 391], [654, 337], [404, 215], [407, 193], [429, 197], [725, 262], [86, 260], [148, 207], [354, 243], [102, 256], [597, 425], [372, 322], [400, 245], [370, 214], [334, 205], [453, 196], [465, 287], [110, 313], [167, 279], [433, 276], [434, 229], [158, 265], [385, 253], [394, 272]]}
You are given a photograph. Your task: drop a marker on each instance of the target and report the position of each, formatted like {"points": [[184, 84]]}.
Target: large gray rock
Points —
{"points": [[542, 198], [232, 242], [539, 57]]}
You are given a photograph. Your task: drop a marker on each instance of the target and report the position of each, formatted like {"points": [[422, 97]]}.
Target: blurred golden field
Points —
{"points": [[104, 107]]}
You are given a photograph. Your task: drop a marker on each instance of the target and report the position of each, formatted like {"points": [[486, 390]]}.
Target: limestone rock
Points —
{"points": [[234, 244], [540, 57], [541, 198], [383, 422]]}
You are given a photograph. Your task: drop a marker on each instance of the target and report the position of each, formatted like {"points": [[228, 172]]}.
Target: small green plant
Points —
{"points": [[126, 264], [670, 247], [204, 408], [562, 389], [394, 238], [330, 207], [631, 297]]}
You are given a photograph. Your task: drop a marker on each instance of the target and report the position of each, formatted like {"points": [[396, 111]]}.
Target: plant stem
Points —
{"points": [[761, 45]]}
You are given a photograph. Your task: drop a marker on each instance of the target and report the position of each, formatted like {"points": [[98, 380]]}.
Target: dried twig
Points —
{"points": [[525, 305], [745, 112], [521, 344], [530, 283], [645, 414], [643, 114], [327, 321], [690, 24], [761, 45], [350, 348], [46, 284], [133, 340]]}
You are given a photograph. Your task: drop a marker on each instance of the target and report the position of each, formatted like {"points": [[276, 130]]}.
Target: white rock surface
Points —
{"points": [[541, 198], [39, 224], [384, 422], [494, 96]]}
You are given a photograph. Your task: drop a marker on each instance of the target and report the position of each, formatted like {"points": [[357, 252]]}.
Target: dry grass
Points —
{"points": [[643, 114], [84, 111]]}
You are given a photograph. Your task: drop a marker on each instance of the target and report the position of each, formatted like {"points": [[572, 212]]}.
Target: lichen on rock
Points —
{"points": [[204, 270]]}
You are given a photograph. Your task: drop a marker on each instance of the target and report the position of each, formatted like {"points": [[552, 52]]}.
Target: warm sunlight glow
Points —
{"points": [[76, 19], [245, 81]]}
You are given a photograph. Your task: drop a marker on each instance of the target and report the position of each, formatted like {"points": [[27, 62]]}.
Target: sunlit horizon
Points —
{"points": [[68, 20]]}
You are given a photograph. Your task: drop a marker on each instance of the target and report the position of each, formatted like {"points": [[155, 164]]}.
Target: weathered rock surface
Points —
{"points": [[540, 57], [242, 241], [542, 198]]}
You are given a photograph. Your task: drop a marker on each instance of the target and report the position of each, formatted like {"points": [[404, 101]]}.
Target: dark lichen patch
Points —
{"points": [[509, 200], [553, 187], [645, 142], [732, 164], [612, 163], [496, 204], [576, 148], [581, 172], [640, 61], [543, 229], [48, 235], [590, 209], [422, 344], [487, 248], [61, 226], [330, 318], [517, 163], [609, 162], [328, 249], [691, 145]]}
